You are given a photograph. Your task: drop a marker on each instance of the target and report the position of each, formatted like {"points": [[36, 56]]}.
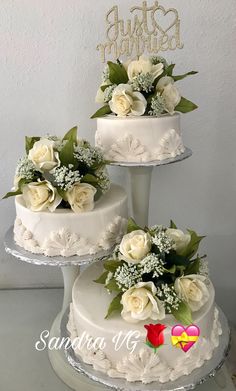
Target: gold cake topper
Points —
{"points": [[150, 30]]}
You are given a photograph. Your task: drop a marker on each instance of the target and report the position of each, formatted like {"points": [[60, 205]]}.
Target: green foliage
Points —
{"points": [[112, 286], [185, 106], [66, 154], [102, 278], [193, 245], [29, 143], [176, 259], [12, 194], [173, 225], [112, 265], [18, 191], [183, 314], [117, 73], [181, 77], [71, 135], [132, 226], [193, 267], [102, 111], [115, 305], [169, 70], [89, 178]]}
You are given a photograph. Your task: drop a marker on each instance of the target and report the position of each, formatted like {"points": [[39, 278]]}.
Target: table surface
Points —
{"points": [[24, 315]]}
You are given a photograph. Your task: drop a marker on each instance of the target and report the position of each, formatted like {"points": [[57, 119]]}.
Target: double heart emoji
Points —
{"points": [[184, 338]]}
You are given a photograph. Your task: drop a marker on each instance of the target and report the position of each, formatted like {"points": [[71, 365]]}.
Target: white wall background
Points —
{"points": [[49, 71]]}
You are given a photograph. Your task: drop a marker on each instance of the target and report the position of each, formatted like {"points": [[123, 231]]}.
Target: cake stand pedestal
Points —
{"points": [[140, 175], [70, 268]]}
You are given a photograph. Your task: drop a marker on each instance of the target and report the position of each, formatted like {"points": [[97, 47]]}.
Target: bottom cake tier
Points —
{"points": [[118, 348]]}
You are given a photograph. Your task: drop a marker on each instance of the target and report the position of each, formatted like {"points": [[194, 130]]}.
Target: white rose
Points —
{"points": [[193, 290], [139, 303], [166, 86], [40, 196], [43, 155], [180, 239], [81, 197], [127, 102], [144, 65], [135, 246]]}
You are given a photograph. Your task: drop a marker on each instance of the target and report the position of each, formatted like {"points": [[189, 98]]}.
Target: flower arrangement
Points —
{"points": [[60, 172], [145, 86], [154, 272]]}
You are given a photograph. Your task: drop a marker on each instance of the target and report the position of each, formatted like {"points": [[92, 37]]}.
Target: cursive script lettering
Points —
{"points": [[151, 30]]}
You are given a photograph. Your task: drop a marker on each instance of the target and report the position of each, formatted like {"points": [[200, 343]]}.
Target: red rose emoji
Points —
{"points": [[155, 335]]}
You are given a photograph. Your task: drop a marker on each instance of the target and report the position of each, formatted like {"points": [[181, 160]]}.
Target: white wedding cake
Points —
{"points": [[142, 363], [139, 139], [139, 120], [156, 319], [64, 202]]}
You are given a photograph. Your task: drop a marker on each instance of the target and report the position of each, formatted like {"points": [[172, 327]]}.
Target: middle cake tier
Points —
{"points": [[66, 233]]}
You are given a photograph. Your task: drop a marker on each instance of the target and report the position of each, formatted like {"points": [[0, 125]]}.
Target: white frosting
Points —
{"points": [[139, 139], [66, 233], [143, 364]]}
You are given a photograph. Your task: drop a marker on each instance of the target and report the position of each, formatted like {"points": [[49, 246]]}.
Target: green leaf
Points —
{"points": [[193, 245], [71, 135], [117, 73], [111, 265], [112, 286], [193, 267], [183, 314], [173, 225], [115, 305], [102, 278], [103, 88], [89, 178], [169, 70], [67, 154], [185, 106], [12, 194], [132, 226], [176, 259], [98, 194], [171, 270], [181, 77], [102, 111], [29, 143], [62, 193]]}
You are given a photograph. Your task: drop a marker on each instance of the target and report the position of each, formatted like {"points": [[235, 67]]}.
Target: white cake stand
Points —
{"points": [[140, 182], [70, 268]]}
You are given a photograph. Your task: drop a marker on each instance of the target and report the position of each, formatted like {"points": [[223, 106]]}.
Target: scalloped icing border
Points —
{"points": [[130, 149], [146, 366], [65, 243]]}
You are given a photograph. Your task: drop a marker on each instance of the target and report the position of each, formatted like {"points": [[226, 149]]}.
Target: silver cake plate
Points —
{"points": [[184, 383], [41, 260], [186, 154]]}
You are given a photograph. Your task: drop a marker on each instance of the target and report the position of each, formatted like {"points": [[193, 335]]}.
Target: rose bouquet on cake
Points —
{"points": [[156, 271], [146, 86], [60, 172]]}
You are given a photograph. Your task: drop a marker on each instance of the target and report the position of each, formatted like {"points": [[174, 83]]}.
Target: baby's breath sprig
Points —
{"points": [[65, 177], [163, 242], [25, 169], [143, 82], [168, 295]]}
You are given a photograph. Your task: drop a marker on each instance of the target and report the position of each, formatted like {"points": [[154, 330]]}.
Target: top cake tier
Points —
{"points": [[139, 139]]}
